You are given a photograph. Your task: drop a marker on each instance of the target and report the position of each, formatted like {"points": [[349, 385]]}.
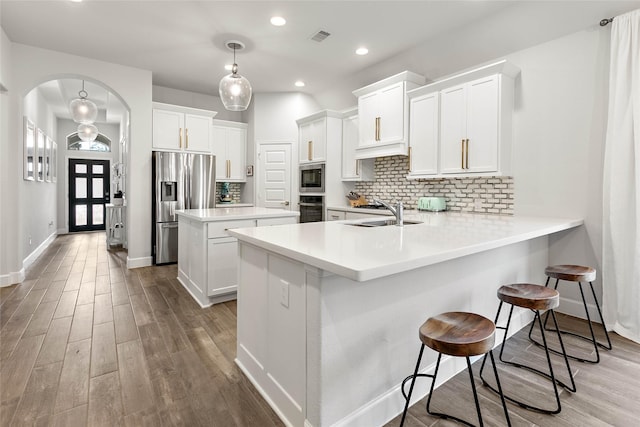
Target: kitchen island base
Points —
{"points": [[325, 350]]}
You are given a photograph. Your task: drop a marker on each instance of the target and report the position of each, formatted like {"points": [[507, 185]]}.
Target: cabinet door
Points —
{"points": [[222, 267], [349, 144], [423, 134], [219, 149], [305, 142], [236, 152], [319, 140], [452, 129], [168, 130], [392, 110], [367, 113], [197, 133], [482, 124]]}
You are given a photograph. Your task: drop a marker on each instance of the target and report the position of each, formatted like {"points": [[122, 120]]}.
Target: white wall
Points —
{"points": [[67, 127], [38, 199], [10, 161], [273, 118], [30, 67]]}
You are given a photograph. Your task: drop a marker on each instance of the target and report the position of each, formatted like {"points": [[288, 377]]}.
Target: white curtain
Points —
{"points": [[621, 183]]}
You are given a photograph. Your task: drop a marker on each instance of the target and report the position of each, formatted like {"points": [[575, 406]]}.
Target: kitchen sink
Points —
{"points": [[382, 223]]}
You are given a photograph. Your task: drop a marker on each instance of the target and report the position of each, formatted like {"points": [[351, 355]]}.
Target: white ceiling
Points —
{"points": [[182, 42]]}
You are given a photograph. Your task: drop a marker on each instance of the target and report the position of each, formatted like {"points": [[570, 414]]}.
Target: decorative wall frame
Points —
{"points": [[40, 149], [54, 161], [47, 159], [29, 153]]}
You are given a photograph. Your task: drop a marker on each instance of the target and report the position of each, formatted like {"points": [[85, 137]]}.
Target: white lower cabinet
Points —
{"points": [[208, 256], [334, 215]]}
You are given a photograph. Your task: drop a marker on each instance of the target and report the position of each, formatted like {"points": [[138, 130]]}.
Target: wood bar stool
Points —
{"points": [[536, 298], [580, 274], [455, 334]]}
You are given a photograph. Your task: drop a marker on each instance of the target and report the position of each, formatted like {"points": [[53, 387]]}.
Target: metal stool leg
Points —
{"points": [[551, 376], [413, 381], [593, 339]]}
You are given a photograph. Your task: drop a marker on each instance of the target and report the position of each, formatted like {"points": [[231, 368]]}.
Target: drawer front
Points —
{"points": [[277, 221], [219, 228]]}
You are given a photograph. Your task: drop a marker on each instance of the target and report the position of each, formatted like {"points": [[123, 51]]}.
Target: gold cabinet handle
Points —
{"points": [[357, 167], [180, 138], [409, 159], [228, 169], [466, 154], [310, 150], [377, 136], [462, 154], [186, 138]]}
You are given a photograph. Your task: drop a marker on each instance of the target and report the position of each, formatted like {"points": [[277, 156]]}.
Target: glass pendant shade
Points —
{"points": [[87, 132], [83, 110], [235, 91]]}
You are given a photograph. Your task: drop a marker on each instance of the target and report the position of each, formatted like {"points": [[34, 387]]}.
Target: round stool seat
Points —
{"points": [[458, 334], [571, 273], [535, 297]]}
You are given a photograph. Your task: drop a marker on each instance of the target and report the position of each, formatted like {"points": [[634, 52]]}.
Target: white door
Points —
{"points": [[482, 124], [392, 112], [274, 175], [197, 133], [453, 129], [167, 130]]}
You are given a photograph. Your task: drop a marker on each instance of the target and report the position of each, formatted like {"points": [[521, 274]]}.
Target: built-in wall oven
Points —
{"points": [[312, 178], [311, 208]]}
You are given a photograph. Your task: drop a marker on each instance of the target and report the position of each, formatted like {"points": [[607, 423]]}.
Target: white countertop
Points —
{"points": [[366, 253], [233, 205], [232, 213], [364, 210]]}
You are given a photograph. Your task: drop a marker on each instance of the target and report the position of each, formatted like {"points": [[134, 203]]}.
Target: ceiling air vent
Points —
{"points": [[320, 36]]}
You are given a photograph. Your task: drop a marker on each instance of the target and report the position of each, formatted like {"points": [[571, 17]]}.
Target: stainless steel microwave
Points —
{"points": [[312, 178]]}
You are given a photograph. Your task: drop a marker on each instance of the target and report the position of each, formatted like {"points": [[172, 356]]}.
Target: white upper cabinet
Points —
{"points": [[312, 136], [469, 126], [383, 116], [353, 169], [177, 128], [424, 116], [230, 149], [461, 125]]}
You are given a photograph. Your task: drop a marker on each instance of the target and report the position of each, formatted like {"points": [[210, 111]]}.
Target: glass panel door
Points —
{"points": [[88, 194]]}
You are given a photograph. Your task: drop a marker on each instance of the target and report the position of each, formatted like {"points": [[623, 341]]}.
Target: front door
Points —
{"points": [[88, 194], [274, 175]]}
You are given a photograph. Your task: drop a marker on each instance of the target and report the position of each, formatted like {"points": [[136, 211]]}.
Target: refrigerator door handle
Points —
{"points": [[172, 225]]}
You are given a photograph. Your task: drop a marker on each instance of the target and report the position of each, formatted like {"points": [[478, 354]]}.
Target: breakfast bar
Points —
{"points": [[328, 311]]}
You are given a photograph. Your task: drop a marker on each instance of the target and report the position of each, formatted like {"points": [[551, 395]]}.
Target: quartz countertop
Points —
{"points": [[233, 213], [377, 211], [366, 253]]}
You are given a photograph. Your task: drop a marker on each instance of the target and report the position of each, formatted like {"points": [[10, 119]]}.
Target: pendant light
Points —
{"points": [[83, 110], [235, 90], [87, 132]]}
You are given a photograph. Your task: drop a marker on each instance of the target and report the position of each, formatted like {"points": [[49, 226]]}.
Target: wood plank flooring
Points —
{"points": [[84, 341]]}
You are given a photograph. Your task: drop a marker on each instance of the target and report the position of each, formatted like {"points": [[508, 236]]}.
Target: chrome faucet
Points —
{"points": [[398, 210]]}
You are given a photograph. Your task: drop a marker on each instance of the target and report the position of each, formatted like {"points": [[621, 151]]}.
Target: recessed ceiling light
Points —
{"points": [[228, 67], [299, 83], [278, 21], [76, 1], [362, 51]]}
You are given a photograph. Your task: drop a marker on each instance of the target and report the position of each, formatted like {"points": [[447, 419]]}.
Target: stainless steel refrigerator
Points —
{"points": [[180, 181]]}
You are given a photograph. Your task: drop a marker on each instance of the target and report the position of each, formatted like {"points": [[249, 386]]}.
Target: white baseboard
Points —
{"points": [[12, 278], [139, 262], [390, 404], [26, 263]]}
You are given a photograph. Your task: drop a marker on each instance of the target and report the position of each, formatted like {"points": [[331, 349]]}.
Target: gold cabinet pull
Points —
{"points": [[466, 158], [180, 138], [377, 136], [357, 167], [310, 150], [409, 153], [462, 154], [228, 174], [186, 138]]}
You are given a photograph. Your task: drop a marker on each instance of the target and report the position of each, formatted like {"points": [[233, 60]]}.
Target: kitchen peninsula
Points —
{"points": [[207, 255], [328, 312]]}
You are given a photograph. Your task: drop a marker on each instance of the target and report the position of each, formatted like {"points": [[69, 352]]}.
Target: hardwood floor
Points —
{"points": [[84, 341]]}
